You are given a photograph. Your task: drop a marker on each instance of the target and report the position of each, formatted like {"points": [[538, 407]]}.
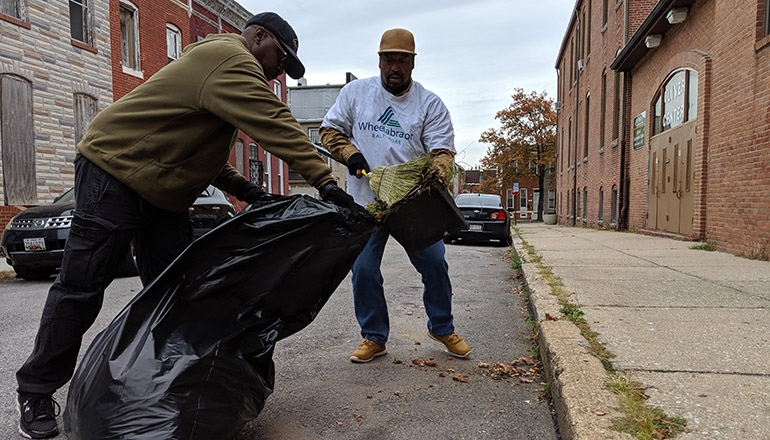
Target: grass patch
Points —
{"points": [[639, 419], [704, 247]]}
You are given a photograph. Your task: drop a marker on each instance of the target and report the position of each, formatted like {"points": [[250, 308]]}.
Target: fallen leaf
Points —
{"points": [[550, 318], [525, 379], [409, 313], [340, 422], [424, 362], [600, 413], [460, 378], [483, 365], [417, 343]]}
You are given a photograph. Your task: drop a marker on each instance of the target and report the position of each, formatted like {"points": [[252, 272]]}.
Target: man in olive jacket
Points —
{"points": [[143, 162]]}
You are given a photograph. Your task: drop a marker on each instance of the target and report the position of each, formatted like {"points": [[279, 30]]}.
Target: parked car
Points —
{"points": [[485, 220], [33, 241], [210, 210]]}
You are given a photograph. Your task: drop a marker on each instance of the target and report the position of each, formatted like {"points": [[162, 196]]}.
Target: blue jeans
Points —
{"points": [[108, 216], [369, 295]]}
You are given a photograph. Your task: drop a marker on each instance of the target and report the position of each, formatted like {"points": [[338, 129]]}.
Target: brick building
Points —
{"points": [[663, 123], [60, 64], [55, 75]]}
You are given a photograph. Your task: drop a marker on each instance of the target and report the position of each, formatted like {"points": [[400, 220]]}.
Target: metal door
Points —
{"points": [[671, 205]]}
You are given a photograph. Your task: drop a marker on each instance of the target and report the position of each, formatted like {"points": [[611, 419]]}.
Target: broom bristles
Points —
{"points": [[391, 183]]}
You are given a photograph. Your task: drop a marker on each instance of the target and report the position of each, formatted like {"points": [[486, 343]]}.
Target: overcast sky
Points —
{"points": [[472, 54]]}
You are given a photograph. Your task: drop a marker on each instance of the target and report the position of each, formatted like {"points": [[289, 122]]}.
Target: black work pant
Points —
{"points": [[108, 216]]}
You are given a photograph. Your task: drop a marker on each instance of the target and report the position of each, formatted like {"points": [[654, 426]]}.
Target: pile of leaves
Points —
{"points": [[396, 183], [524, 368]]}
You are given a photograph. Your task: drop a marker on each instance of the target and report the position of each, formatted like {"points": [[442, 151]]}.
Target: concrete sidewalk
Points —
{"points": [[693, 326]]}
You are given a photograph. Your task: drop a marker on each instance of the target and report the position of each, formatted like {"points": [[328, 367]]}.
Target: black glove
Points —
{"points": [[249, 192], [357, 162], [330, 192]]}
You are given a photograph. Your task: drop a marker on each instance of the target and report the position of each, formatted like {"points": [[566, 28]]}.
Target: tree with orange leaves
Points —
{"points": [[525, 144]]}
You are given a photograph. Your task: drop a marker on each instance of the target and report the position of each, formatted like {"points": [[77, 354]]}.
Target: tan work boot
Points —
{"points": [[367, 351], [455, 345]]}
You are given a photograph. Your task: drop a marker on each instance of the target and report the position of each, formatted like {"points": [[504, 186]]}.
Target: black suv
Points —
{"points": [[33, 241]]}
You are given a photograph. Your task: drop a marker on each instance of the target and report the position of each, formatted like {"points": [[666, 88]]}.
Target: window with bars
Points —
{"points": [[313, 134], [129, 36], [81, 27]]}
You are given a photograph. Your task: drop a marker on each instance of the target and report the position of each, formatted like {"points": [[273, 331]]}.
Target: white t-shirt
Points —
{"points": [[389, 129]]}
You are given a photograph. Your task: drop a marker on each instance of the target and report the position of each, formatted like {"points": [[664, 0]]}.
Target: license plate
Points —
{"points": [[34, 244], [474, 227]]}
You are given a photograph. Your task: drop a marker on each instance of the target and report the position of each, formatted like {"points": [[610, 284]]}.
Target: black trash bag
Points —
{"points": [[190, 357]]}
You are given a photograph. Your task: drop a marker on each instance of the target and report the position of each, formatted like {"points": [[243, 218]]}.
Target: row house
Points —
{"points": [[309, 104], [55, 75], [663, 122], [62, 62]]}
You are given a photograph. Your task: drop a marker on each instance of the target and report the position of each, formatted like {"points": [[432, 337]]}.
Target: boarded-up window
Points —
{"points": [[85, 110], [129, 42], [13, 8], [18, 141]]}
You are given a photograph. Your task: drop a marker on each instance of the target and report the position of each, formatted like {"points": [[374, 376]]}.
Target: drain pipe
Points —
{"points": [[623, 195], [623, 202]]}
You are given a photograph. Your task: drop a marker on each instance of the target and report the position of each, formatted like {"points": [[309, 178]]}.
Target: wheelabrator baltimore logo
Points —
{"points": [[388, 118], [387, 126]]}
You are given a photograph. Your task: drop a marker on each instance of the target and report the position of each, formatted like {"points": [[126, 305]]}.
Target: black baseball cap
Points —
{"points": [[286, 36]]}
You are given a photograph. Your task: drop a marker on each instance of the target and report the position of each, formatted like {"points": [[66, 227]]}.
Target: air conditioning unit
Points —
{"points": [[557, 106], [581, 64]]}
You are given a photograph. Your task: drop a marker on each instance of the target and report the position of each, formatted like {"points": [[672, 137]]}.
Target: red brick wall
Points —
{"points": [[738, 212], [202, 27], [153, 16], [720, 41], [600, 169], [7, 213]]}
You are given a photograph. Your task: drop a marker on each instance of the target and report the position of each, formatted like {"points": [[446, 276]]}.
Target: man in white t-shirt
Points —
{"points": [[381, 121]]}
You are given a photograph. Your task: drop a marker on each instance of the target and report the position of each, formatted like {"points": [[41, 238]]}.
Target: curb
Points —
{"points": [[584, 407]]}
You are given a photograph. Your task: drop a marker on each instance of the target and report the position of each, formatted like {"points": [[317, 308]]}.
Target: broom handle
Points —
{"points": [[329, 155]]}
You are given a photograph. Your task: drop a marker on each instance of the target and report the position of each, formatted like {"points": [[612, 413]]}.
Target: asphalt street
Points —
{"points": [[416, 391]]}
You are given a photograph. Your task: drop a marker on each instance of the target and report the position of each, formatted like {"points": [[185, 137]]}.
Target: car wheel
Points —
{"points": [[33, 273], [128, 268]]}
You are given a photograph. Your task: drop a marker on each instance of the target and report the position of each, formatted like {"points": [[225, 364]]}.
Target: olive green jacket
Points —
{"points": [[171, 136]]}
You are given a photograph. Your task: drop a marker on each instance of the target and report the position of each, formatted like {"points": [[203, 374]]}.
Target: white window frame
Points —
{"points": [[277, 89], [280, 178], [173, 42], [268, 172], [314, 135], [81, 21], [129, 39]]}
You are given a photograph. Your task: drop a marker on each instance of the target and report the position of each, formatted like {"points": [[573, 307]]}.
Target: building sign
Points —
{"points": [[516, 187], [639, 130], [673, 101]]}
